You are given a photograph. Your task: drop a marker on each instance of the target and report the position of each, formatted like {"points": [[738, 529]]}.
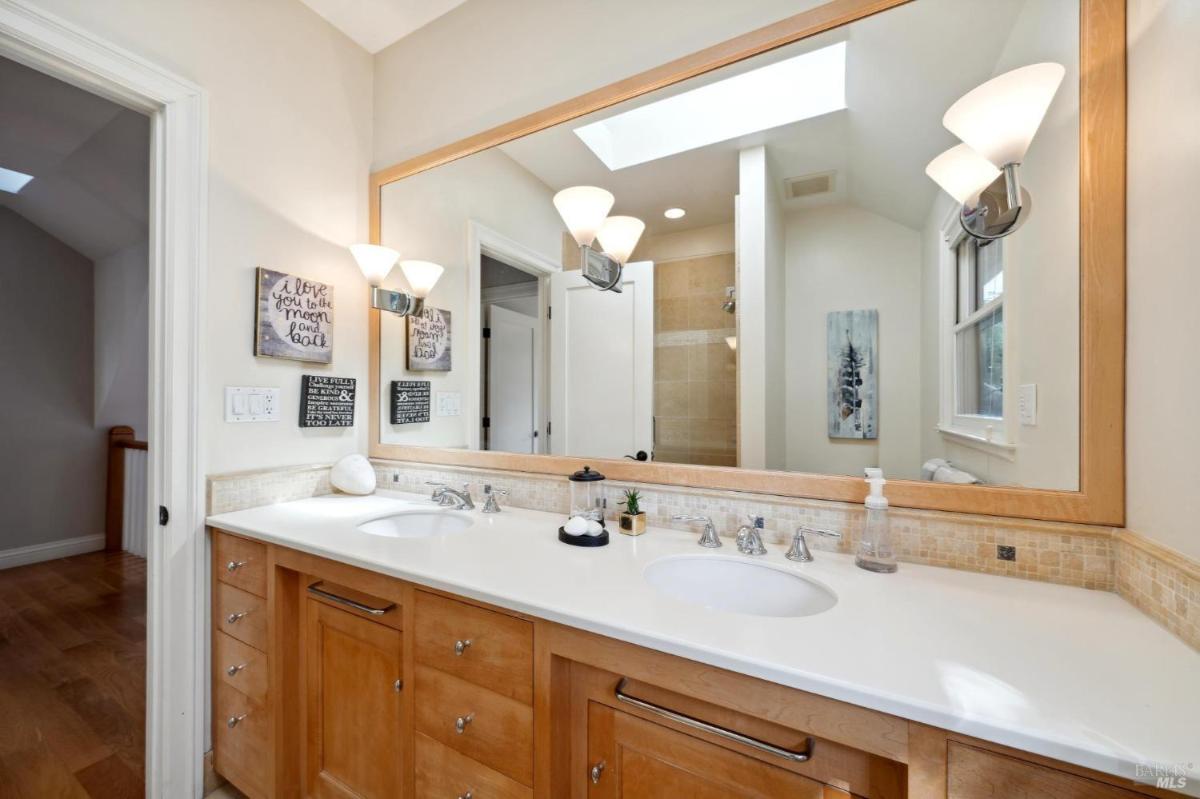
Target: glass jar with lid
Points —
{"points": [[587, 495]]}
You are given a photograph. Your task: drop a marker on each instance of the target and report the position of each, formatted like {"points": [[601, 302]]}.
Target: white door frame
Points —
{"points": [[175, 627], [482, 240]]}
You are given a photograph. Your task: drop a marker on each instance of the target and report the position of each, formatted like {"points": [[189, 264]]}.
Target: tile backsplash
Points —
{"points": [[1162, 583]]}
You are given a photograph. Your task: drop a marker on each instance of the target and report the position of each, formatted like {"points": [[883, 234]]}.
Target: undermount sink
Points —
{"points": [[417, 524], [738, 586]]}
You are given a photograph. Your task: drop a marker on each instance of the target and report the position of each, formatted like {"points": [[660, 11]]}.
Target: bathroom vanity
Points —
{"points": [[483, 658]]}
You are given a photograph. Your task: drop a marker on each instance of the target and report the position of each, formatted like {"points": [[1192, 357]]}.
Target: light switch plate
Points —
{"points": [[1027, 404], [251, 404], [449, 403]]}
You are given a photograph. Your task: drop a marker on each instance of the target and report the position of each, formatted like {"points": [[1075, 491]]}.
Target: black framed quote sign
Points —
{"points": [[410, 401], [326, 401]]}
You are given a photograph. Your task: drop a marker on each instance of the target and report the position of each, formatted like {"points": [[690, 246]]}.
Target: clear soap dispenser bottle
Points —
{"points": [[875, 551]]}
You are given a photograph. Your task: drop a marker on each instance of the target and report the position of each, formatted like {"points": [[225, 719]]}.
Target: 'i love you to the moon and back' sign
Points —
{"points": [[294, 318]]}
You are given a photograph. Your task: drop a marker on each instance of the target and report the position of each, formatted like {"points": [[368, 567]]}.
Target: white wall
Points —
{"points": [[1163, 370], [122, 339], [842, 258], [445, 81], [777, 356], [289, 153], [53, 474], [426, 217], [694, 242], [751, 257]]}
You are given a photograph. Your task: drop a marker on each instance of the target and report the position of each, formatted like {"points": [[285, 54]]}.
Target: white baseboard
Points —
{"points": [[37, 553]]}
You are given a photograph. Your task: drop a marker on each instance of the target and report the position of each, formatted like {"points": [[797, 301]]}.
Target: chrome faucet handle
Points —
{"points": [[439, 492], [749, 537], [490, 505], [709, 537], [799, 551]]}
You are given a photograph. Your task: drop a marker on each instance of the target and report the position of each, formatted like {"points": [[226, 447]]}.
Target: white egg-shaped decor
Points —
{"points": [[353, 474]]}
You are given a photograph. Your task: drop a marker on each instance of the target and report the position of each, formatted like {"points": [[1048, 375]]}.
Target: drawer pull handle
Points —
{"points": [[232, 671], [316, 589], [234, 721], [466, 795], [596, 771], [234, 565], [234, 618], [398, 686], [460, 723], [461, 646], [800, 756]]}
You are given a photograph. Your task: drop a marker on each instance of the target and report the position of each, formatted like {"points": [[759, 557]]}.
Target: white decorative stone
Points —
{"points": [[353, 474]]}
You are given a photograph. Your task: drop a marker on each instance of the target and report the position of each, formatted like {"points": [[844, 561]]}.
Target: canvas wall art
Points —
{"points": [[293, 317], [852, 345], [429, 340]]}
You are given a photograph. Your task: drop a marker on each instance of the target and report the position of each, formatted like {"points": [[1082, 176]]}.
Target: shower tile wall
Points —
{"points": [[695, 371]]}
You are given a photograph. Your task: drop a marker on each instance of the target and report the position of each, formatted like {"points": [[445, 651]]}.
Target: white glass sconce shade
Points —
{"points": [[998, 119], [962, 173], [619, 236], [374, 261], [421, 276], [583, 209]]}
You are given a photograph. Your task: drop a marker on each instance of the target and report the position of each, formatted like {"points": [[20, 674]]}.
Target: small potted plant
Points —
{"points": [[633, 518]]}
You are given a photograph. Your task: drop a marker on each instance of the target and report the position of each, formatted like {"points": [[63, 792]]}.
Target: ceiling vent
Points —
{"points": [[808, 185]]}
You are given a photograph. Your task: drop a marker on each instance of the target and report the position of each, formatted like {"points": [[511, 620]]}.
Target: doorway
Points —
{"points": [[513, 356]]}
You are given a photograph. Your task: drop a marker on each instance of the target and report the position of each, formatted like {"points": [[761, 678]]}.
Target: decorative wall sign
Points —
{"points": [[410, 401], [293, 317], [852, 345], [326, 401], [429, 340]]}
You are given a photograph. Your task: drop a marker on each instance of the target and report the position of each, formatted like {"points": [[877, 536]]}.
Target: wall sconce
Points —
{"points": [[376, 262], [996, 122], [585, 209]]}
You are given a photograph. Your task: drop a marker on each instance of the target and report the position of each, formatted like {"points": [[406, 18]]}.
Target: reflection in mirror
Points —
{"points": [[804, 296]]}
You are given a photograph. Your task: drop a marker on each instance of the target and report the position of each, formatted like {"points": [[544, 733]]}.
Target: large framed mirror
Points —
{"points": [[804, 301]]}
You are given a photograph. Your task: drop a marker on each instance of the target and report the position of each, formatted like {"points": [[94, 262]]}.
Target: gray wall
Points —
{"points": [[53, 473]]}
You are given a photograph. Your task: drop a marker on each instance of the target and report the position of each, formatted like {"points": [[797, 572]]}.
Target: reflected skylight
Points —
{"points": [[12, 181], [787, 91]]}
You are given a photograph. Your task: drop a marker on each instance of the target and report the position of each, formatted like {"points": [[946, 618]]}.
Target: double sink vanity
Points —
{"points": [[383, 646]]}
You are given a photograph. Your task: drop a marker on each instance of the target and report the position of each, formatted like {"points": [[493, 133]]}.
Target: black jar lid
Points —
{"points": [[585, 475]]}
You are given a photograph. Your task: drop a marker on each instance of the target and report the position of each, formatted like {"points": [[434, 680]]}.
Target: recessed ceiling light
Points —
{"points": [[12, 181], [674, 213], [800, 87]]}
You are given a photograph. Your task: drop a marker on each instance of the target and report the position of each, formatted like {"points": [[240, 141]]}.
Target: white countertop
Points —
{"points": [[1076, 675]]}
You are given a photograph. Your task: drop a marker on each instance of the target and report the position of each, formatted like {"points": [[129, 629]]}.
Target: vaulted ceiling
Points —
{"points": [[376, 24], [89, 158]]}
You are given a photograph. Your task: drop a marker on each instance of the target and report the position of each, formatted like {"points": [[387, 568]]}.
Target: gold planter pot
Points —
{"points": [[632, 523]]}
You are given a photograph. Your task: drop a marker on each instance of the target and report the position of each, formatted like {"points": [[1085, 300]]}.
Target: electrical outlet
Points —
{"points": [[250, 404], [449, 403], [1005, 552]]}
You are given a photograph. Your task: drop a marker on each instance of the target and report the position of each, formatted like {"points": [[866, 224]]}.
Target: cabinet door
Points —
{"points": [[353, 727], [632, 758]]}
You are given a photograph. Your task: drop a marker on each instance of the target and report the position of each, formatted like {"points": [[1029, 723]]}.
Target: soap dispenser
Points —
{"points": [[875, 551]]}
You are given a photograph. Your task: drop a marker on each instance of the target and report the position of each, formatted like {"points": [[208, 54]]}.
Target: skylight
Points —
{"points": [[787, 91], [12, 181]]}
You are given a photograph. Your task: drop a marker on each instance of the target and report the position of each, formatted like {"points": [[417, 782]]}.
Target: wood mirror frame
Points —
{"points": [[1101, 495]]}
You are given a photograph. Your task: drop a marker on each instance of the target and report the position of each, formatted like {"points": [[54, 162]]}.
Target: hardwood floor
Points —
{"points": [[73, 678]]}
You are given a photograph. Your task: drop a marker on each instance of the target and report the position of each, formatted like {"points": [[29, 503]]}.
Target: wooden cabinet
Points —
{"points": [[631, 758], [331, 682], [353, 687]]}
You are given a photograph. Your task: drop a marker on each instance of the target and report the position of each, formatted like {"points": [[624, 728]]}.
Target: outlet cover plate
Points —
{"points": [[251, 404]]}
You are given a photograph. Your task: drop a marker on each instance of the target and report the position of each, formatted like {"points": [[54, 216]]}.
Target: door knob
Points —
{"points": [[596, 771], [461, 646], [460, 723], [233, 670]]}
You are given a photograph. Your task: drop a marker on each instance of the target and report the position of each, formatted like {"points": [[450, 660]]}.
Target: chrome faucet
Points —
{"points": [[709, 537], [799, 551], [749, 537], [448, 497], [490, 505]]}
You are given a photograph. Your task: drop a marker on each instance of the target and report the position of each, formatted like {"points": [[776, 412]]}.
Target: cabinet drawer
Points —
{"points": [[241, 562], [497, 731], [442, 772], [241, 667], [978, 774], [242, 615], [482, 646], [241, 752]]}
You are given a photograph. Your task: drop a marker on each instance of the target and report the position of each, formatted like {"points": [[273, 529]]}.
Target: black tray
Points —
{"points": [[584, 540]]}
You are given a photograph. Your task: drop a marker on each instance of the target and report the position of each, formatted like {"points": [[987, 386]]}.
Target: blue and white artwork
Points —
{"points": [[852, 346]]}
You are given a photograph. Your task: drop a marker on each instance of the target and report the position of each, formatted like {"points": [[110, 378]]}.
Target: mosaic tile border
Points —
{"points": [[1160, 582], [240, 490]]}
